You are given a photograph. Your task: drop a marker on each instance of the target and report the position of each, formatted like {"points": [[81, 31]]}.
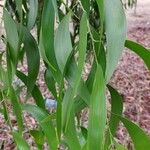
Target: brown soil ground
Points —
{"points": [[131, 78]]}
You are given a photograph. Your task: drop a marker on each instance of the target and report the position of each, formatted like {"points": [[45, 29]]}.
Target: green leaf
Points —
{"points": [[33, 11], [21, 143], [50, 82], [115, 26], [11, 67], [67, 107], [97, 113], [101, 8], [140, 51], [69, 96], [16, 109], [38, 138], [116, 108], [99, 49], [47, 28], [33, 59], [82, 42], [120, 147], [140, 139], [12, 34], [55, 8], [63, 46], [35, 92], [71, 135], [19, 8], [4, 110], [86, 5], [46, 124], [47, 38], [84, 132]]}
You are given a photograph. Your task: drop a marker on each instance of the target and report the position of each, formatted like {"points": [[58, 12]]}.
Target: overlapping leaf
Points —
{"points": [[47, 38], [116, 108], [63, 46], [46, 124], [12, 34], [16, 109], [97, 114], [69, 96], [35, 91], [21, 143], [33, 59]]}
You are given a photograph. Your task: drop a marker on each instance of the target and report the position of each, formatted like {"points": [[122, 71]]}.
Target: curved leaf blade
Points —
{"points": [[50, 82], [116, 108], [47, 38], [19, 8], [46, 124], [115, 26], [71, 137], [69, 96], [97, 114], [33, 59], [21, 143], [35, 92], [16, 109], [140, 139], [38, 138], [12, 34], [140, 51], [62, 43], [33, 11]]}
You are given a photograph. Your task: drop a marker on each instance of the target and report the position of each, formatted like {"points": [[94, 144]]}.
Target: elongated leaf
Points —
{"points": [[50, 82], [16, 109], [35, 92], [100, 4], [115, 26], [33, 59], [140, 140], [116, 108], [12, 34], [69, 97], [63, 46], [4, 110], [82, 42], [47, 28], [11, 67], [67, 107], [97, 114], [71, 134], [33, 10], [38, 137], [21, 143], [47, 38], [140, 51], [99, 49], [71, 72], [86, 5], [19, 8], [44, 121], [55, 8]]}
